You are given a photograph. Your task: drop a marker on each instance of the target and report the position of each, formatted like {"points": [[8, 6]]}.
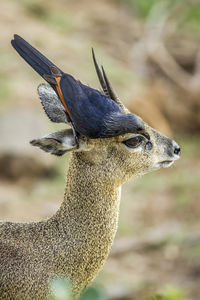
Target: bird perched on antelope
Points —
{"points": [[75, 242], [90, 112]]}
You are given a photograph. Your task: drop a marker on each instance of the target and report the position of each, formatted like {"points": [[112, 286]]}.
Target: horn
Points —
{"points": [[99, 74], [105, 84], [111, 92]]}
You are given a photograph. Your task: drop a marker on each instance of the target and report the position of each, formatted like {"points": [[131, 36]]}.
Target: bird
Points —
{"points": [[91, 113]]}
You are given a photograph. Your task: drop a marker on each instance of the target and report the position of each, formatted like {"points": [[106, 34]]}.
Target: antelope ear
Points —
{"points": [[57, 143], [51, 104]]}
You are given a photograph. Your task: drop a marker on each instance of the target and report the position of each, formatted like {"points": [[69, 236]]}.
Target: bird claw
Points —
{"points": [[55, 71]]}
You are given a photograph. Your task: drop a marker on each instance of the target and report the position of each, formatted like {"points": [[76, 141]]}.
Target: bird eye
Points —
{"points": [[133, 142]]}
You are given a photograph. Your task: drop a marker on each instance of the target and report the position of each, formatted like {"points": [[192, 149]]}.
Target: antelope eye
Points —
{"points": [[133, 142]]}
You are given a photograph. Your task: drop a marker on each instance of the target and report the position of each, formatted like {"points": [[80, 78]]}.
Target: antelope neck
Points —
{"points": [[88, 219], [87, 197]]}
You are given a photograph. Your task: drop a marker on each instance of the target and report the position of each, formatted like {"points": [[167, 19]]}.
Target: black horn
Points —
{"points": [[105, 84]]}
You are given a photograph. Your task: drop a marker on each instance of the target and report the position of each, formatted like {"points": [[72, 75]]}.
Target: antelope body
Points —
{"points": [[76, 241]]}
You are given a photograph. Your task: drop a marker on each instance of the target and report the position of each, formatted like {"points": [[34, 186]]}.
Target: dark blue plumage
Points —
{"points": [[90, 109], [91, 113], [33, 57]]}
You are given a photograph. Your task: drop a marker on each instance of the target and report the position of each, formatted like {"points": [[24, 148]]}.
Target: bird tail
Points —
{"points": [[34, 58]]}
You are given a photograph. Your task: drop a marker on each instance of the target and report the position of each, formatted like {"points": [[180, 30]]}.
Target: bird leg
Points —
{"points": [[75, 134]]}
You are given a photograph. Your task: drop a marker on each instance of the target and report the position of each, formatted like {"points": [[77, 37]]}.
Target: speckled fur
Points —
{"points": [[76, 241]]}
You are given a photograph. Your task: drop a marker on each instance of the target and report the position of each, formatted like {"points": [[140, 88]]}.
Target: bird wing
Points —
{"points": [[87, 106]]}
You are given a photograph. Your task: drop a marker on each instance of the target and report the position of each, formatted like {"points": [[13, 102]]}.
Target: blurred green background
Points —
{"points": [[151, 52]]}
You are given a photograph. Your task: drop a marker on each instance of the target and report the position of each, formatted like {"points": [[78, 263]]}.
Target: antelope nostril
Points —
{"points": [[173, 149], [177, 150]]}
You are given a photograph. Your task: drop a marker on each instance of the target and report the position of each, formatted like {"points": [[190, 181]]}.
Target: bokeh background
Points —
{"points": [[151, 52]]}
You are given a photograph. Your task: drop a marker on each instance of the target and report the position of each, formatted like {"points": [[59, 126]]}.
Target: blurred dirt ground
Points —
{"points": [[151, 53]]}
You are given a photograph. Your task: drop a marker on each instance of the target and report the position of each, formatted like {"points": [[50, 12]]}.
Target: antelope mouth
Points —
{"points": [[166, 163]]}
